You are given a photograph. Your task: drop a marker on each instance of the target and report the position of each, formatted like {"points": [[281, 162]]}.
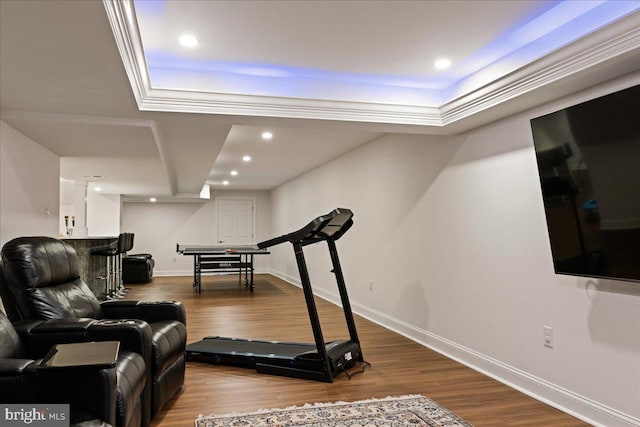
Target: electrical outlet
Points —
{"points": [[548, 336], [371, 286]]}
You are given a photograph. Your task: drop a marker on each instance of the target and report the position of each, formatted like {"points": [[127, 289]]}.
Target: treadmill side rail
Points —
{"points": [[284, 371]]}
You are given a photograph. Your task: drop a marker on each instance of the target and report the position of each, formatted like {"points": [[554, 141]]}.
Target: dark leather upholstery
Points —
{"points": [[41, 283], [22, 382], [168, 340], [131, 374], [17, 372], [44, 281], [137, 269]]}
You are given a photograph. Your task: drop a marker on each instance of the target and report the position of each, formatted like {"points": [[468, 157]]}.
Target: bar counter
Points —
{"points": [[92, 267]]}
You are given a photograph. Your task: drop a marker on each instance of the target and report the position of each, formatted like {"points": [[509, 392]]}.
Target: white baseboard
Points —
{"points": [[581, 407], [290, 279], [172, 273]]}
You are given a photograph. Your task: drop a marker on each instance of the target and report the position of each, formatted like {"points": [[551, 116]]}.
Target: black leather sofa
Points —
{"points": [[48, 302]]}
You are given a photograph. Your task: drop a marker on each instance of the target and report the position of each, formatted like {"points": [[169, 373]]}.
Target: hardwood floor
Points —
{"points": [[276, 311]]}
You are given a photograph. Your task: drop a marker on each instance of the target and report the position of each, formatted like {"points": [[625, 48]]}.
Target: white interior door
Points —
{"points": [[235, 221]]}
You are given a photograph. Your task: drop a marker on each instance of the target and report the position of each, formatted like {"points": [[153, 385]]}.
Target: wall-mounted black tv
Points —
{"points": [[589, 165]]}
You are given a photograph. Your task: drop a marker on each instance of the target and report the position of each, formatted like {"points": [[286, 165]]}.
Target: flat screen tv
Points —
{"points": [[589, 165]]}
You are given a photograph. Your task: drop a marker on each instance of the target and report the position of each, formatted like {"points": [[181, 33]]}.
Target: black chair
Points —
{"points": [[136, 268], [42, 292], [97, 397]]}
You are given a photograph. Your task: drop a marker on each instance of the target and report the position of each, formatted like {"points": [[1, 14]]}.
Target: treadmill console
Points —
{"points": [[330, 226]]}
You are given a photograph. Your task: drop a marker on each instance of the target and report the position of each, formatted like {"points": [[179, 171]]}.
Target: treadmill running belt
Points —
{"points": [[248, 348]]}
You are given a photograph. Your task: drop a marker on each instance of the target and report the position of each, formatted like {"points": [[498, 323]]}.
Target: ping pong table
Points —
{"points": [[219, 258]]}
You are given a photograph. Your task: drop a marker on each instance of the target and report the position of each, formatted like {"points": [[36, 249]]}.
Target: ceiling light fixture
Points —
{"points": [[442, 63], [234, 173], [97, 189], [246, 158], [225, 182], [267, 135], [152, 199], [205, 193], [188, 40]]}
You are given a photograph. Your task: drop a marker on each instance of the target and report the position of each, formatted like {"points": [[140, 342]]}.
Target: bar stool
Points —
{"points": [[127, 244], [113, 274]]}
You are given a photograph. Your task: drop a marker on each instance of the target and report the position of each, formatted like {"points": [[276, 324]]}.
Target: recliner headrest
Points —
{"points": [[39, 262]]}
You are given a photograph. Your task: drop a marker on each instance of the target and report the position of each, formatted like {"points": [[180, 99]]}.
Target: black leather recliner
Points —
{"points": [[43, 294], [22, 381], [136, 268]]}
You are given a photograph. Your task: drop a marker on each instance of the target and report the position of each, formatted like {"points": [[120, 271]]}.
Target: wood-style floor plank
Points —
{"points": [[276, 311]]}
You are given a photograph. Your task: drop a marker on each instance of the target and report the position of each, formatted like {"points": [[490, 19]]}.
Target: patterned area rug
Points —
{"points": [[413, 410]]}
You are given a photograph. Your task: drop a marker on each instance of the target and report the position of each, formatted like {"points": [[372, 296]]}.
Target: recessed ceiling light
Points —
{"points": [[246, 158], [152, 199], [188, 40], [234, 173], [98, 189], [442, 63], [267, 135], [225, 182]]}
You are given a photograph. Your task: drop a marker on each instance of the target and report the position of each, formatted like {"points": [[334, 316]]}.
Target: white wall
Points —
{"points": [[103, 213], [67, 208], [452, 233], [29, 187], [158, 227]]}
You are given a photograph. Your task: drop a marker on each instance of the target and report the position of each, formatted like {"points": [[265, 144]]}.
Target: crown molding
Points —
{"points": [[616, 40], [297, 108], [124, 25]]}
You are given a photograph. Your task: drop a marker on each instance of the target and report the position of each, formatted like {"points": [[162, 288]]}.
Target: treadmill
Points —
{"points": [[320, 361]]}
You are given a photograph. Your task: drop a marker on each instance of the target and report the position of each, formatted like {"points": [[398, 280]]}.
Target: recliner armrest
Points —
{"points": [[143, 256], [25, 326], [11, 367], [38, 336], [149, 311], [135, 258], [18, 380], [134, 335]]}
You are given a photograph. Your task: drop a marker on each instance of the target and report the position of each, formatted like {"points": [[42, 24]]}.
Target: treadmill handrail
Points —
{"points": [[321, 228]]}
